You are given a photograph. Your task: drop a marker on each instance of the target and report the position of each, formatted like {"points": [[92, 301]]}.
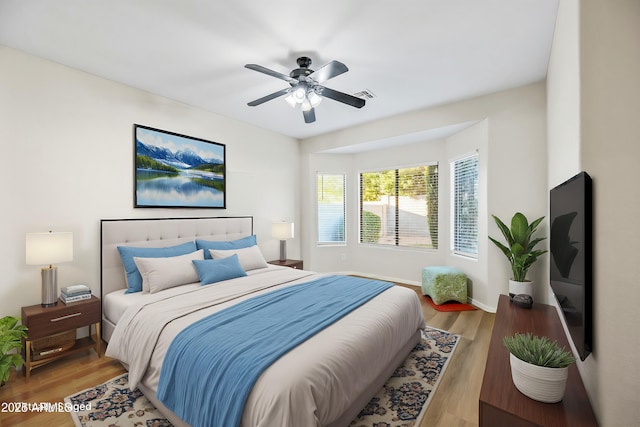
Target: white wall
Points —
{"points": [[594, 76], [67, 144], [331, 257], [610, 149], [389, 261], [475, 138], [511, 138], [563, 101]]}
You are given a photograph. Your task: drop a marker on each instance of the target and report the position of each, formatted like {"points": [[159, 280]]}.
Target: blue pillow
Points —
{"points": [[134, 279], [245, 242], [217, 270]]}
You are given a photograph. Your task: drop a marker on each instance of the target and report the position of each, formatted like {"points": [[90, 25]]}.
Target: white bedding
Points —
{"points": [[116, 303], [313, 384]]}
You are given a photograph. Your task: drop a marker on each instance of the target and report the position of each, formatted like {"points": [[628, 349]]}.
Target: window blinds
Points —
{"points": [[331, 208], [399, 207], [465, 205]]}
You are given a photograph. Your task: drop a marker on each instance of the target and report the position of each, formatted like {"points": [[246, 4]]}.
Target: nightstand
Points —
{"points": [[293, 263], [47, 322]]}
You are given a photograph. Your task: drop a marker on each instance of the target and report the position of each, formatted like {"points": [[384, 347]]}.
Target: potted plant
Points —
{"points": [[539, 367], [519, 250], [11, 335]]}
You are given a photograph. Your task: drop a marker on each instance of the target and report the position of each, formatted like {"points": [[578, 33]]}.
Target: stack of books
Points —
{"points": [[75, 293]]}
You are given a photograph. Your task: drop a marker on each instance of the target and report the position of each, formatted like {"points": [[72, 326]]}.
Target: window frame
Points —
{"points": [[397, 244], [453, 207], [344, 210]]}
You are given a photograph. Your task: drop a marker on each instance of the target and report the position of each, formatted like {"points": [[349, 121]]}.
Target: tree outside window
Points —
{"points": [[399, 207]]}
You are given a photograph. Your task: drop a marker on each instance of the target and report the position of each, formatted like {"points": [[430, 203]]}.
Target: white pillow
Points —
{"points": [[250, 258], [163, 273]]}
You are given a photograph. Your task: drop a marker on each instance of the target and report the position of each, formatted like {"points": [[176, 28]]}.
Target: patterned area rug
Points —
{"points": [[405, 396], [400, 403]]}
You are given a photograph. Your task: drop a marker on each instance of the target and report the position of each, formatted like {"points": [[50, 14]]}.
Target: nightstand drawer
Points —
{"points": [[291, 263], [45, 322]]}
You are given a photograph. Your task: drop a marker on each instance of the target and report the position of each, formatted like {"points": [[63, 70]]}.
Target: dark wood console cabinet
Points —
{"points": [[501, 404]]}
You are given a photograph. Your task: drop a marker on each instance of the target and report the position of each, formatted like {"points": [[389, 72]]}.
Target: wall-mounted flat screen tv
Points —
{"points": [[571, 257]]}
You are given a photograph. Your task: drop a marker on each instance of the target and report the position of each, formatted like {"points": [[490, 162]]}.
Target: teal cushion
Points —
{"points": [[217, 270], [134, 279], [444, 284], [244, 242]]}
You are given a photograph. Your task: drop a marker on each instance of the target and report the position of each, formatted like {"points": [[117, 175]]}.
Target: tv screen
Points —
{"points": [[571, 257]]}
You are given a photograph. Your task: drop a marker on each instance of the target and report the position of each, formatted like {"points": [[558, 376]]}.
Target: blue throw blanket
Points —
{"points": [[212, 365]]}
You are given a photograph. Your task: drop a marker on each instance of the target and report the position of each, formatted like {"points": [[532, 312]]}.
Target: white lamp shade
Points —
{"points": [[282, 230], [300, 94], [49, 248], [291, 100], [314, 99]]}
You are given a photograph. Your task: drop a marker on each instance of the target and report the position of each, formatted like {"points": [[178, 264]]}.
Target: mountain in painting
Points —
{"points": [[181, 159]]}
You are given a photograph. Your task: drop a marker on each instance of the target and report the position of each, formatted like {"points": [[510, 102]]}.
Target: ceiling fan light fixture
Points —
{"points": [[306, 105], [291, 100], [300, 94], [303, 97], [314, 98]]}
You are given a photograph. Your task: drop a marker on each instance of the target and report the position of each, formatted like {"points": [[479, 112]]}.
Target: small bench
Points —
{"points": [[444, 284]]}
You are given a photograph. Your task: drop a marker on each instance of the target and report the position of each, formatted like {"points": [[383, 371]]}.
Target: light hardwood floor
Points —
{"points": [[455, 403]]}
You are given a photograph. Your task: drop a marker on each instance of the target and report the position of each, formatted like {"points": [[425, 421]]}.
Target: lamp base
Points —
{"points": [[283, 250], [49, 286]]}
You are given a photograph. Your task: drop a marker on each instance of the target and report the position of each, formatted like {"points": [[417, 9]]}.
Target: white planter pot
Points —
{"points": [[537, 382], [525, 288]]}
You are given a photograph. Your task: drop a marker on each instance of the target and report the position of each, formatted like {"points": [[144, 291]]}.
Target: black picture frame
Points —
{"points": [[177, 171]]}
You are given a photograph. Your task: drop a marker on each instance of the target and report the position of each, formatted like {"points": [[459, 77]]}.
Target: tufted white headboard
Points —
{"points": [[158, 232]]}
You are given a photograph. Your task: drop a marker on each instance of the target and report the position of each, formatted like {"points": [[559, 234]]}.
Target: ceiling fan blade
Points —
{"points": [[269, 97], [309, 116], [328, 71], [261, 69], [340, 96]]}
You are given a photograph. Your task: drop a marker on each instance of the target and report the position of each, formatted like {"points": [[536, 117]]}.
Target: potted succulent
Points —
{"points": [[519, 250], [11, 335], [539, 367]]}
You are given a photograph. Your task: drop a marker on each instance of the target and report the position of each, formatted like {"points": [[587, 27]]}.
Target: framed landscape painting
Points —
{"points": [[178, 171]]}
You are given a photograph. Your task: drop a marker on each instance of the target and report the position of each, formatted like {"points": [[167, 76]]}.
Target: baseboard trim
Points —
{"points": [[471, 301]]}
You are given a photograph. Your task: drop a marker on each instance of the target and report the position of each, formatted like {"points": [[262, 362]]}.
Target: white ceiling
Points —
{"points": [[410, 54]]}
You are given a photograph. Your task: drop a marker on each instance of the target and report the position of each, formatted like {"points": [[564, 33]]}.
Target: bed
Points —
{"points": [[324, 380]]}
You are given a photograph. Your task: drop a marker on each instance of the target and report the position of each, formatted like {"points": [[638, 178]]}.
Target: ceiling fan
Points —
{"points": [[306, 92]]}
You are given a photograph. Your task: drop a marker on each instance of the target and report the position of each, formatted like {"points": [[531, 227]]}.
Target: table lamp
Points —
{"points": [[282, 231], [49, 248]]}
